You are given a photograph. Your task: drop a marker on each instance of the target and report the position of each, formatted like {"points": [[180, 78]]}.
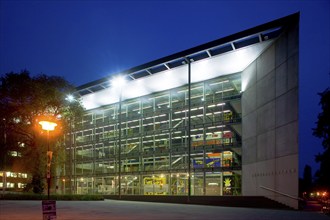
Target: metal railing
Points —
{"points": [[281, 193]]}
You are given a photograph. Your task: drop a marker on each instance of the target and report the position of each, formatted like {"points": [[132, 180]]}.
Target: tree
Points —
{"points": [[306, 183], [24, 101], [322, 131]]}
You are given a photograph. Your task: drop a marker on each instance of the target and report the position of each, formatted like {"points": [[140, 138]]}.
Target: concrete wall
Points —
{"points": [[270, 121]]}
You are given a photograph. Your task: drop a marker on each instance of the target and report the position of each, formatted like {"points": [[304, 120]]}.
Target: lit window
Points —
{"points": [[22, 175], [21, 185], [9, 185], [13, 153], [17, 120]]}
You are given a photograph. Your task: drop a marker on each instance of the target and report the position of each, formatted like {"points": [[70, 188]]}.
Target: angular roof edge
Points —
{"points": [[284, 21]]}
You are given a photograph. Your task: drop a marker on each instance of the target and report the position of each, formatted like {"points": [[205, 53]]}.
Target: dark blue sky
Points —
{"points": [[87, 40]]}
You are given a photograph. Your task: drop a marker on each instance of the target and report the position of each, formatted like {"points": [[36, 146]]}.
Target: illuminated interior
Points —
{"points": [[154, 142]]}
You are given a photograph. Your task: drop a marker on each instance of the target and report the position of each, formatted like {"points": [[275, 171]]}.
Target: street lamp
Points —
{"points": [[48, 126], [119, 82], [188, 61], [70, 98]]}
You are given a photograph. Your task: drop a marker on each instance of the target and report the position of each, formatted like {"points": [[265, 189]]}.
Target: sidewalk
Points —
{"points": [[125, 210]]}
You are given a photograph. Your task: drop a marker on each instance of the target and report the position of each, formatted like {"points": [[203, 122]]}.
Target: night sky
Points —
{"points": [[87, 40]]}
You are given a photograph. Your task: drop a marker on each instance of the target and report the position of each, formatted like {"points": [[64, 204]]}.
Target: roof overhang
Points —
{"points": [[224, 56]]}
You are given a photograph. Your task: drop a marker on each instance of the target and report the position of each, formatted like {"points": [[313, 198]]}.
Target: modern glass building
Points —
{"points": [[217, 119]]}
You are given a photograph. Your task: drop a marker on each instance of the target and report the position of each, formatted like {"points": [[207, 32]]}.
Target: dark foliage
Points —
{"points": [[24, 101], [322, 131]]}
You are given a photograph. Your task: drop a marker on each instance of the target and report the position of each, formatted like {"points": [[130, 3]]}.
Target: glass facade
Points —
{"points": [[153, 157]]}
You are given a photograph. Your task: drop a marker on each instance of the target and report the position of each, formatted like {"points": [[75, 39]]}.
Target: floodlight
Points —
{"points": [[118, 81], [70, 98]]}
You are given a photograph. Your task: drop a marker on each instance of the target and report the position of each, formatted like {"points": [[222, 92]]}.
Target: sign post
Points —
{"points": [[49, 210]]}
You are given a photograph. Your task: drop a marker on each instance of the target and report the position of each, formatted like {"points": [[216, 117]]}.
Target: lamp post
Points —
{"points": [[119, 82], [70, 98], [189, 129], [48, 126], [188, 61]]}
